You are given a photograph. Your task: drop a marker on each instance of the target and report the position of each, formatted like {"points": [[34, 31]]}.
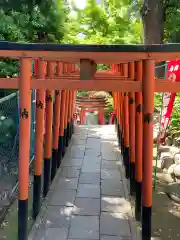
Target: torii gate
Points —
{"points": [[87, 104], [132, 81]]}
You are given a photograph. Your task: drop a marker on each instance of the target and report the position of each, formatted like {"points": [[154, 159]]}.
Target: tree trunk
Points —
{"points": [[152, 14], [153, 22]]}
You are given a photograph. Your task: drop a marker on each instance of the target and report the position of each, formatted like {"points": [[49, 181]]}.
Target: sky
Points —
{"points": [[80, 3]]}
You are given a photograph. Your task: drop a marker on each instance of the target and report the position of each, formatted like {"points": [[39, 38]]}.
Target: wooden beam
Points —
{"points": [[98, 57], [167, 86], [9, 83], [100, 85], [87, 69], [95, 77]]}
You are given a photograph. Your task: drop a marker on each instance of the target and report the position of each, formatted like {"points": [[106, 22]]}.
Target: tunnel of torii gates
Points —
{"points": [[133, 83], [91, 104]]}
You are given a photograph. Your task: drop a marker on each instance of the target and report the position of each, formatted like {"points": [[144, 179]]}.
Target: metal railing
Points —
{"points": [[9, 146]]}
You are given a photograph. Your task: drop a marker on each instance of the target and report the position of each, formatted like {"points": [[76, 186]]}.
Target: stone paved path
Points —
{"points": [[88, 198]]}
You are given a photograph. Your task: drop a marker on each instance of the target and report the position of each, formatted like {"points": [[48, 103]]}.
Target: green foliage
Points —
{"points": [[107, 24], [23, 20], [157, 102], [83, 93], [172, 20], [103, 67], [174, 127], [109, 108]]}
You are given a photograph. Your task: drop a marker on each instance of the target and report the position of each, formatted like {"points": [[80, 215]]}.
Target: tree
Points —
{"points": [[25, 20], [153, 22], [108, 23]]}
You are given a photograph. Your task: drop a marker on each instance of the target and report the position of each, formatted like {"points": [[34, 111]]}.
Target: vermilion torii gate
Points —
{"points": [[86, 104], [132, 81]]}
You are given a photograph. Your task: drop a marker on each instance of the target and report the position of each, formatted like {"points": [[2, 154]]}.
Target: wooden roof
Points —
{"points": [[98, 53]]}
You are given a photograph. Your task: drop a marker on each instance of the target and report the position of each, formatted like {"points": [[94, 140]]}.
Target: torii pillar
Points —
{"points": [[82, 116], [101, 116]]}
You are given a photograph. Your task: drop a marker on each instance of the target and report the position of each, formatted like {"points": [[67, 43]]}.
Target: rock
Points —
{"points": [[164, 177], [165, 154], [176, 142], [164, 149], [166, 162], [174, 150], [167, 178], [173, 191], [171, 169], [177, 158], [169, 141], [165, 170], [177, 180], [177, 171]]}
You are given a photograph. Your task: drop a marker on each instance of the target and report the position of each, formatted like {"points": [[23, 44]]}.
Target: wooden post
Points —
{"points": [[87, 69], [70, 106], [99, 117], [39, 137], [49, 121], [72, 112], [138, 142], [24, 146], [103, 119], [65, 70], [81, 116], [48, 133], [73, 109], [115, 106], [69, 114], [122, 121], [132, 132], [56, 122], [148, 110], [126, 125], [68, 110], [66, 119], [119, 114], [61, 149]]}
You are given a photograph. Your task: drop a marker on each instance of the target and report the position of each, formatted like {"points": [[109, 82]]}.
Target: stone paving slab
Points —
{"points": [[115, 165], [92, 159], [57, 217], [112, 188], [95, 168], [110, 174], [63, 197], [70, 172], [114, 224], [115, 205], [89, 178], [72, 162], [106, 237], [84, 227], [88, 191], [88, 199], [87, 206], [67, 183], [52, 233]]}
